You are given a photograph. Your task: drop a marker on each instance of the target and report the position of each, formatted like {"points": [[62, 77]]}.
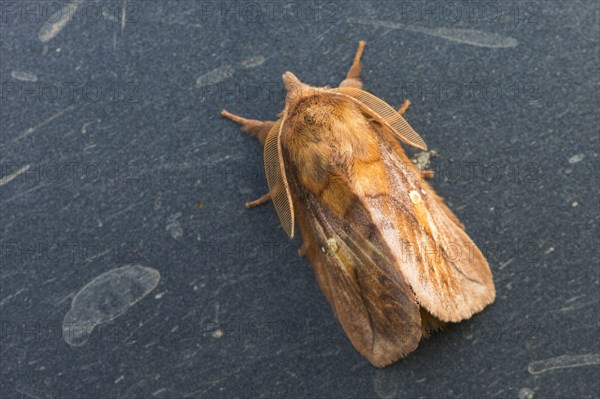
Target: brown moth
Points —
{"points": [[392, 259]]}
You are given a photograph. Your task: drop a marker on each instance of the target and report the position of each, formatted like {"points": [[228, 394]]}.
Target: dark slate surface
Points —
{"points": [[113, 154]]}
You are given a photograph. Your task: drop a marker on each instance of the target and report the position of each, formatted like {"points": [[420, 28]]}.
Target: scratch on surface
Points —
{"points": [[199, 392], [159, 391], [21, 170], [57, 21], [8, 298], [254, 61], [575, 298], [563, 362], [471, 37], [114, 41], [578, 306], [24, 76], [139, 327], [32, 392], [85, 125], [98, 255], [120, 212], [504, 264], [123, 16], [14, 197], [215, 76], [33, 129], [326, 31]]}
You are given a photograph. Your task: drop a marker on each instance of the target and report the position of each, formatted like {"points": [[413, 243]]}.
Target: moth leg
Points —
{"points": [[353, 75], [259, 201], [256, 128], [260, 130], [404, 107], [427, 174], [303, 248]]}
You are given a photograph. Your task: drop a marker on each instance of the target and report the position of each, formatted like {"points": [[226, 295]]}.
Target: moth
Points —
{"points": [[392, 259]]}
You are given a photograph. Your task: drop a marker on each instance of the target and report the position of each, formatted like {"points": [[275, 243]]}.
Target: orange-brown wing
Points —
{"points": [[354, 269], [447, 272]]}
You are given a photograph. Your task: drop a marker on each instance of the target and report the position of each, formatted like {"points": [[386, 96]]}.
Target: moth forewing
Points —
{"points": [[450, 287]]}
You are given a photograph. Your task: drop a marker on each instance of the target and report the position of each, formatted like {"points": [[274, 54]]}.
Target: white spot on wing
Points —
{"points": [[332, 244], [415, 197]]}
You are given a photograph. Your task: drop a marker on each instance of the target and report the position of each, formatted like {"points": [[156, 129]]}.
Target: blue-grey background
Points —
{"points": [[113, 153]]}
